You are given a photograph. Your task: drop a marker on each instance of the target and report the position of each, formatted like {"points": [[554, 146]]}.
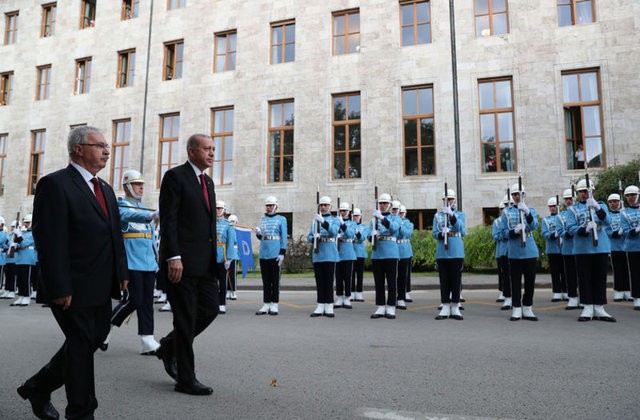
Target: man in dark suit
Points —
{"points": [[83, 265], [188, 257]]}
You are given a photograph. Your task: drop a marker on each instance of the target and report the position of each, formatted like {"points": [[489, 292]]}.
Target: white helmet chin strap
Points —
{"points": [[133, 194], [272, 212]]}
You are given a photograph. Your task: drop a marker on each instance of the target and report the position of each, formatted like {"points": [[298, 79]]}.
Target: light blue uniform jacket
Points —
{"points": [[613, 232], [577, 218], [386, 241], [141, 251], [404, 239], [361, 233], [510, 218], [551, 231], [457, 231], [273, 240], [347, 233], [226, 246], [497, 233], [327, 246], [631, 220], [26, 253]]}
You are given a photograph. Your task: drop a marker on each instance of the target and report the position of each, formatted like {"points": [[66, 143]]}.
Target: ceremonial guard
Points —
{"points": [[138, 233], [615, 232], [568, 258], [361, 231], [551, 231], [232, 271], [448, 229], [10, 274], [26, 259], [519, 222], [405, 253], [226, 253], [591, 247], [322, 234], [501, 238], [384, 257], [346, 257], [272, 234], [631, 229], [4, 247]]}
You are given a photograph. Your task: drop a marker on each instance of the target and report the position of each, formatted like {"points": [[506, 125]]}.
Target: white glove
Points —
{"points": [[375, 232], [341, 220], [280, 259], [519, 228], [318, 218], [591, 226], [445, 230], [17, 233], [339, 236], [523, 207], [227, 264], [637, 229], [316, 235], [593, 204], [155, 215], [447, 210], [620, 232], [258, 231], [377, 214]]}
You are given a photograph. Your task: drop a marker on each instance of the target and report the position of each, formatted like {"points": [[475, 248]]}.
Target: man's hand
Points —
{"points": [[318, 218], [447, 210], [377, 214], [227, 264], [175, 270], [65, 302], [280, 259], [523, 208], [593, 204], [155, 215]]}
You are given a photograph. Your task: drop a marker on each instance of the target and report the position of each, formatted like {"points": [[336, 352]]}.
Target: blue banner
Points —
{"points": [[245, 250]]}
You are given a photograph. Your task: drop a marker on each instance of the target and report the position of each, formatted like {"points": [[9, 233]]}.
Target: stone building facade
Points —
{"points": [[536, 78]]}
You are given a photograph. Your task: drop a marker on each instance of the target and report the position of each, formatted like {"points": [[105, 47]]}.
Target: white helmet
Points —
{"points": [[13, 224], [271, 201], [613, 196], [384, 198], [357, 212], [28, 218], [325, 200], [220, 204], [582, 185], [345, 206], [631, 189], [132, 176], [395, 204], [2, 221], [568, 193], [450, 194], [515, 189], [233, 219], [501, 205], [403, 209], [552, 202]]}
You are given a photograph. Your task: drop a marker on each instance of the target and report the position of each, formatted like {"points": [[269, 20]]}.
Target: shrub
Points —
{"points": [[607, 181], [424, 250], [298, 258], [479, 249]]}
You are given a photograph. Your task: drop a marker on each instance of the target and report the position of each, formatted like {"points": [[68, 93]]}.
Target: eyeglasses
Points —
{"points": [[103, 146]]}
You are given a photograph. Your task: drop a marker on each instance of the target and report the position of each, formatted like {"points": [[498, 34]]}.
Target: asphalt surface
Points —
{"points": [[352, 366]]}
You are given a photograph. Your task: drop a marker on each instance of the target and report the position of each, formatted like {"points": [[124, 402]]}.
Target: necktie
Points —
{"points": [[98, 192], [203, 184]]}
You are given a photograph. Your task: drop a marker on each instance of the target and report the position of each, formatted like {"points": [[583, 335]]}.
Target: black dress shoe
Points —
{"points": [[499, 300], [463, 300], [584, 319], [456, 317], [530, 318], [389, 316], [376, 316], [406, 300], [103, 346], [556, 300], [315, 315], [571, 308], [636, 308], [514, 318], [41, 406], [505, 307], [617, 300], [439, 317], [194, 388], [605, 318], [329, 315], [165, 354]]}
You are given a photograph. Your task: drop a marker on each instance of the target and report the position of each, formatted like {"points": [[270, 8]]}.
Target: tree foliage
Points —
{"points": [[609, 180]]}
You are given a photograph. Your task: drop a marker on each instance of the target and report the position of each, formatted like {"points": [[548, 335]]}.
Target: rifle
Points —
{"points": [[339, 215], [316, 229], [375, 220], [445, 202], [620, 193], [558, 214], [523, 233], [12, 249], [592, 216]]}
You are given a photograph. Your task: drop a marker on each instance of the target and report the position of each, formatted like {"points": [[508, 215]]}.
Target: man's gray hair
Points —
{"points": [[192, 141], [79, 135]]}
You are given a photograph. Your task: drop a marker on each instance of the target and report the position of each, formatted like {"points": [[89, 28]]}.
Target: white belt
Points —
{"points": [[387, 238], [271, 238], [346, 240], [327, 239], [403, 241]]}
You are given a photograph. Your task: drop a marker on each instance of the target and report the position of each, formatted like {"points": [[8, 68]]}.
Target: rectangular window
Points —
{"points": [[283, 42], [346, 136], [176, 4], [173, 56], [497, 132], [575, 12], [422, 219], [126, 68], [415, 22], [130, 9], [346, 32], [418, 132], [281, 123], [120, 141], [6, 88], [38, 140], [88, 14], [583, 119], [43, 82], [169, 136], [492, 17], [48, 26], [83, 75], [11, 28], [222, 135], [3, 156], [225, 51]]}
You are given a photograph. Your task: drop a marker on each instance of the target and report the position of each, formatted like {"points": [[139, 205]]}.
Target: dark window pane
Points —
{"points": [[410, 133], [275, 143], [428, 161], [354, 165], [489, 157], [339, 108], [288, 142], [507, 157], [274, 176], [339, 165], [354, 136], [288, 168], [339, 138], [426, 132], [411, 161]]}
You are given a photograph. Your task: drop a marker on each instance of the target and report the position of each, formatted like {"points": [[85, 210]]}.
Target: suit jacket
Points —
{"points": [[187, 227], [80, 249]]}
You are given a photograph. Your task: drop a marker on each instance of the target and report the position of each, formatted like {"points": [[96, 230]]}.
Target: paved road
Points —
{"points": [[355, 367]]}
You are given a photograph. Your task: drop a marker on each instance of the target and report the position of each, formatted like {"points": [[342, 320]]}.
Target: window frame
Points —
{"points": [[12, 20], [130, 11], [6, 79], [36, 159], [281, 130], [44, 70], [415, 22], [491, 15], [4, 138], [496, 112], [88, 20], [283, 45], [419, 146], [347, 14], [83, 76], [171, 49], [573, 4], [346, 123], [48, 24], [181, 4], [223, 135], [227, 53], [173, 145], [119, 128], [127, 73]]}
